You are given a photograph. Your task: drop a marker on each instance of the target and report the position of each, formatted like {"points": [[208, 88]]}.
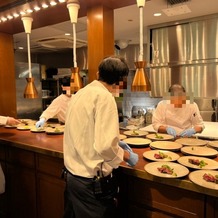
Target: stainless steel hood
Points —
{"points": [[186, 54]]}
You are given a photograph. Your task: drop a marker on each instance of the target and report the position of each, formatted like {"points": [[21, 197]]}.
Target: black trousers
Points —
{"points": [[80, 201]]}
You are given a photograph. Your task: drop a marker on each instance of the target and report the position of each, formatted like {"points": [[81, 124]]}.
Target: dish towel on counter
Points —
{"points": [[2, 180]]}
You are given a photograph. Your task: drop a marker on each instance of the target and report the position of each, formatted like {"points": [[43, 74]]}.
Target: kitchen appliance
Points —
{"points": [[28, 108], [208, 108]]}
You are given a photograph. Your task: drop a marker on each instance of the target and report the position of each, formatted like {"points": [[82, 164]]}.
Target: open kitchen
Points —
{"points": [[163, 172]]}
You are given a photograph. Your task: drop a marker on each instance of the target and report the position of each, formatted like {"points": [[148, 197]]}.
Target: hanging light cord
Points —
{"points": [[141, 34], [29, 56], [74, 45]]}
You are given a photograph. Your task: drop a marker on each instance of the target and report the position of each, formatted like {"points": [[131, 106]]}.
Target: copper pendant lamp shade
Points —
{"points": [[75, 80], [30, 90], [140, 81]]}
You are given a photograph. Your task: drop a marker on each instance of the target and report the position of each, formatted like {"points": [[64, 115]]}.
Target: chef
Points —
{"points": [[58, 106], [176, 115]]}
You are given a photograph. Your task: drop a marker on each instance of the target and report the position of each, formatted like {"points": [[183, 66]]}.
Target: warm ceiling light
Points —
{"points": [[22, 13], [36, 8], [61, 1], [157, 14], [44, 5], [140, 81], [9, 17], [53, 3], [29, 11], [67, 34], [3, 19], [30, 90], [15, 15]]}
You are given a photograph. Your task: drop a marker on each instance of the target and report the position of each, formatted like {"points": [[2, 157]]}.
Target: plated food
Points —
{"points": [[159, 137], [24, 127], [199, 151], [191, 142], [165, 145], [196, 162], [37, 130], [137, 142], [166, 169], [54, 131], [160, 155], [135, 133], [213, 144], [205, 178]]}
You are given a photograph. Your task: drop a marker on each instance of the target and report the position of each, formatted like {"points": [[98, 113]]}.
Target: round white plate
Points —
{"points": [[171, 156], [137, 142], [37, 130], [152, 168], [10, 127], [197, 178], [24, 127], [165, 145], [54, 131], [164, 137], [199, 151], [122, 137], [135, 133], [213, 144], [211, 164], [191, 142]]}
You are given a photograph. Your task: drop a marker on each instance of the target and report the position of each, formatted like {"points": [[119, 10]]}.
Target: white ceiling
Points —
{"points": [[126, 24]]}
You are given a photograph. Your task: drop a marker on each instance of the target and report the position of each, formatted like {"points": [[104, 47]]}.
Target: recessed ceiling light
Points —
{"points": [[157, 14], [20, 48], [52, 3], [67, 34], [36, 8], [44, 5]]}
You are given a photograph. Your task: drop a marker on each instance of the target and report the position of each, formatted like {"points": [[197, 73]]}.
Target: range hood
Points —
{"points": [[185, 54]]}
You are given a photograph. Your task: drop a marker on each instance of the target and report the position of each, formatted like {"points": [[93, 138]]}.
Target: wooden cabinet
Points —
{"points": [[142, 198], [21, 183], [51, 187]]}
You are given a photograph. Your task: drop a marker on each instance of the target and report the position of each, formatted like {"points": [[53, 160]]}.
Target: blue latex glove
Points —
{"points": [[171, 131], [188, 132], [133, 159], [124, 146], [40, 123]]}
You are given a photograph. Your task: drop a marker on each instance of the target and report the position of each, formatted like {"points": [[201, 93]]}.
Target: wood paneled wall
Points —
{"points": [[7, 76]]}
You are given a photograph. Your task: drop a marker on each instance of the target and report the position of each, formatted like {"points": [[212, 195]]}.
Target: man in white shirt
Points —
{"points": [[177, 116], [58, 106], [91, 143]]}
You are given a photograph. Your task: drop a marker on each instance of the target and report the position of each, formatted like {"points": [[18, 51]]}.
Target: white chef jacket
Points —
{"points": [[3, 120], [91, 132], [179, 118], [58, 108]]}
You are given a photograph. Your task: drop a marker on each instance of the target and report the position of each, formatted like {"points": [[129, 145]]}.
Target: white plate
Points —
{"points": [[24, 128], [37, 130], [191, 142], [199, 151], [213, 144], [197, 178], [171, 155], [137, 142], [122, 137], [54, 131], [152, 168], [135, 133], [211, 164], [164, 137], [10, 127], [165, 145]]}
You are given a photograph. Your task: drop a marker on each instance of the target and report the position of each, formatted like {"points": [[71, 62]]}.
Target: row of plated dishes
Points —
{"points": [[198, 160], [29, 125]]}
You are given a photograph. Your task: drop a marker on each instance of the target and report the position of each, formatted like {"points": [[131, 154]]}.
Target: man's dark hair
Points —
{"points": [[65, 81], [112, 69], [176, 87]]}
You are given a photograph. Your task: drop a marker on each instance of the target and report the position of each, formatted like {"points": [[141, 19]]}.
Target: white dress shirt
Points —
{"points": [[91, 133], [57, 108], [3, 120], [179, 118]]}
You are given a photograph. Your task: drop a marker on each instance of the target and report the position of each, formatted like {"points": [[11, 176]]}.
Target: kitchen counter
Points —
{"points": [[49, 148]]}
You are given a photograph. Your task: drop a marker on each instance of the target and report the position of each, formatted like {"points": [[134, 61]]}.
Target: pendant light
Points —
{"points": [[30, 90], [76, 81], [140, 81]]}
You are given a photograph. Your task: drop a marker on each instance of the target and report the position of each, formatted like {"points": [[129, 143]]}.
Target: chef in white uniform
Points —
{"points": [[91, 142], [58, 106], [176, 115]]}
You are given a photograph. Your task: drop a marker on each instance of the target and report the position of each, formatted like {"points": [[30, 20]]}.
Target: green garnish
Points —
{"points": [[158, 136], [134, 132]]}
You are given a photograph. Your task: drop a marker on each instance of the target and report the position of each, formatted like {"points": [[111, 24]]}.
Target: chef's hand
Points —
{"points": [[12, 121], [124, 146], [133, 159], [188, 132], [40, 123], [171, 131]]}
